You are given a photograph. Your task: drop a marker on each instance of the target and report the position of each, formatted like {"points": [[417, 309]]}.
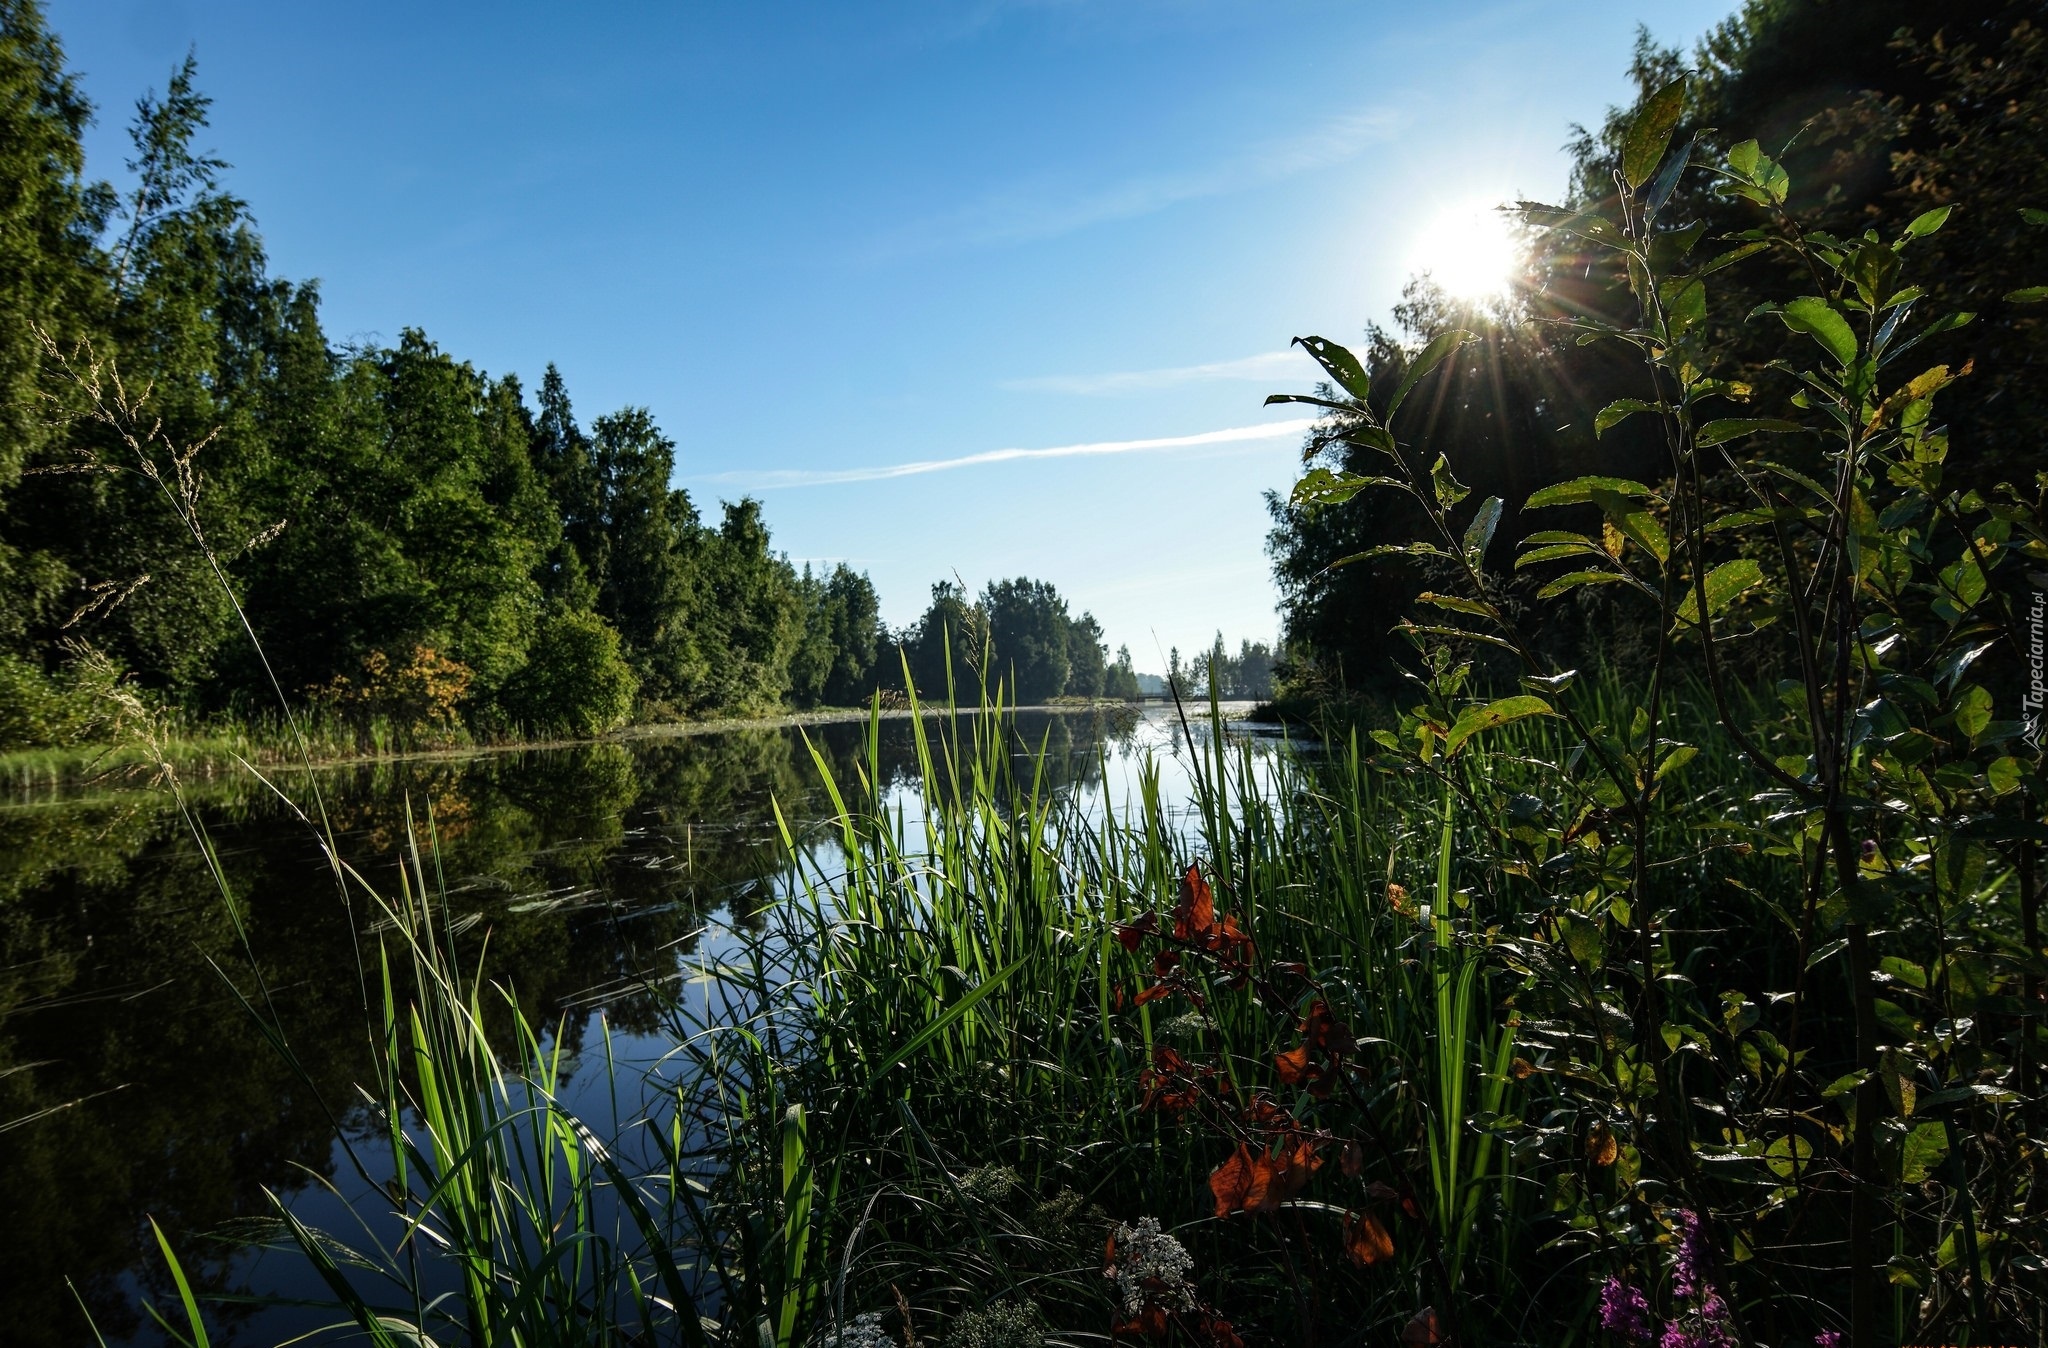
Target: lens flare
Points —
{"points": [[1470, 251]]}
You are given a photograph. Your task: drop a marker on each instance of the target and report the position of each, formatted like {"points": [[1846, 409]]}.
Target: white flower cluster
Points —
{"points": [[864, 1332], [1151, 1265]]}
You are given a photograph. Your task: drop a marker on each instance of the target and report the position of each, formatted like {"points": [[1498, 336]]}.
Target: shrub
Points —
{"points": [[576, 682]]}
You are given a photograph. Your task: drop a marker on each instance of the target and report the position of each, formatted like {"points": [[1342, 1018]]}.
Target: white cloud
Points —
{"points": [[1272, 366], [770, 479], [1042, 211]]}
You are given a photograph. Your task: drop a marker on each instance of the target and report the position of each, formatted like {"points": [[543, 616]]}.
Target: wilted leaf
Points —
{"points": [[1601, 1148], [1366, 1240], [1425, 1328]]}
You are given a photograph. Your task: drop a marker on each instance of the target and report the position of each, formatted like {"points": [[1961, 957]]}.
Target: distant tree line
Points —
{"points": [[1890, 108], [414, 541]]}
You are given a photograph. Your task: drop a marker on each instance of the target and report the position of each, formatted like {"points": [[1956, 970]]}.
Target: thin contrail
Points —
{"points": [[804, 477]]}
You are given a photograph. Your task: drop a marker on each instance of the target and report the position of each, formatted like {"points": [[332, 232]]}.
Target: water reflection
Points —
{"points": [[135, 1083]]}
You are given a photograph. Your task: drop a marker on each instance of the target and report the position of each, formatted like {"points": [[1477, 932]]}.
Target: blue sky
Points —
{"points": [[837, 247]]}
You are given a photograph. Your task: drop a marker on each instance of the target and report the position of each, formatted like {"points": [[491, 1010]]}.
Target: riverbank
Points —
{"points": [[203, 758]]}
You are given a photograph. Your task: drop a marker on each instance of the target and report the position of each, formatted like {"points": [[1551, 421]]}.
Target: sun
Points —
{"points": [[1470, 251]]}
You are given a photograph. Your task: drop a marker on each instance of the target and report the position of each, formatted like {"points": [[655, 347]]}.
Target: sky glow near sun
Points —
{"points": [[1469, 249]]}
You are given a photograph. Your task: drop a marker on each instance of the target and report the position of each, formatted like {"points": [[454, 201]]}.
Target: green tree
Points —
{"points": [[1027, 626], [1087, 657], [576, 681]]}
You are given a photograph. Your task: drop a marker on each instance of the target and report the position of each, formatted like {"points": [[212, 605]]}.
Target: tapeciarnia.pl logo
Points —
{"points": [[2037, 672]]}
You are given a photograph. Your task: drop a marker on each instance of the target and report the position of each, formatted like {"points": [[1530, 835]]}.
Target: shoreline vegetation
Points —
{"points": [[198, 758]]}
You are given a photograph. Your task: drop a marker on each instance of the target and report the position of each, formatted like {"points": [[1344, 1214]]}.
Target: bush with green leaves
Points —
{"points": [[576, 682], [1788, 1021]]}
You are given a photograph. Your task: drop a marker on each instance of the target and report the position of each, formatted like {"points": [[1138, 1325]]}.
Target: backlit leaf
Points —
{"points": [[1476, 719], [1366, 1240], [1814, 316], [1341, 364], [1642, 149], [1580, 490], [1432, 355], [1927, 222], [1620, 410], [1723, 584], [1718, 432]]}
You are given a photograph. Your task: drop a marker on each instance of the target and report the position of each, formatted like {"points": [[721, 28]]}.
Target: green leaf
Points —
{"points": [[1273, 398], [1573, 580], [1580, 490], [1715, 432], [1320, 486], [1451, 601], [1926, 1147], [1342, 365], [2027, 295], [185, 1297], [1743, 158], [1789, 1156], [1724, 583], [1973, 710], [1685, 306], [1927, 222], [2034, 215], [1814, 316], [1491, 716], [1432, 355], [1642, 149], [1479, 533], [1733, 256], [940, 1023], [1620, 410]]}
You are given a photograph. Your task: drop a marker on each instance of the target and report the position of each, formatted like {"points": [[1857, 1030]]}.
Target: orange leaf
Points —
{"points": [[1293, 1065], [1239, 1182], [1424, 1328], [1195, 914], [1152, 994], [1365, 1240], [1601, 1148], [1352, 1159]]}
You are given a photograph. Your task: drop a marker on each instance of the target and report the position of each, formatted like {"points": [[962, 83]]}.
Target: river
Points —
{"points": [[135, 1084]]}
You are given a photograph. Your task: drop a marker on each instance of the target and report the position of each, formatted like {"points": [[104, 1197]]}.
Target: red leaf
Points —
{"points": [[1365, 1240], [1293, 1065], [1195, 914], [1149, 1323], [1240, 1183], [1152, 994], [1352, 1159], [1137, 929], [1215, 1331], [1424, 1328]]}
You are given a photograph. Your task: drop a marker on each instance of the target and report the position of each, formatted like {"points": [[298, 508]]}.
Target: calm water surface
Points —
{"points": [[133, 1084]]}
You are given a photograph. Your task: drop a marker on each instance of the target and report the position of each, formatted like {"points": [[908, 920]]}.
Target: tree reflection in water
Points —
{"points": [[132, 1081]]}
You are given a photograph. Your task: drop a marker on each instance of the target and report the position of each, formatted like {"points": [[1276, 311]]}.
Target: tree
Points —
{"points": [[576, 681], [1027, 626], [1086, 657], [638, 545], [1120, 680], [947, 647]]}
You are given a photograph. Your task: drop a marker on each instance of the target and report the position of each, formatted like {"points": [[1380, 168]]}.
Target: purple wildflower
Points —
{"points": [[1625, 1311], [1677, 1335], [1689, 1267], [1828, 1338]]}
